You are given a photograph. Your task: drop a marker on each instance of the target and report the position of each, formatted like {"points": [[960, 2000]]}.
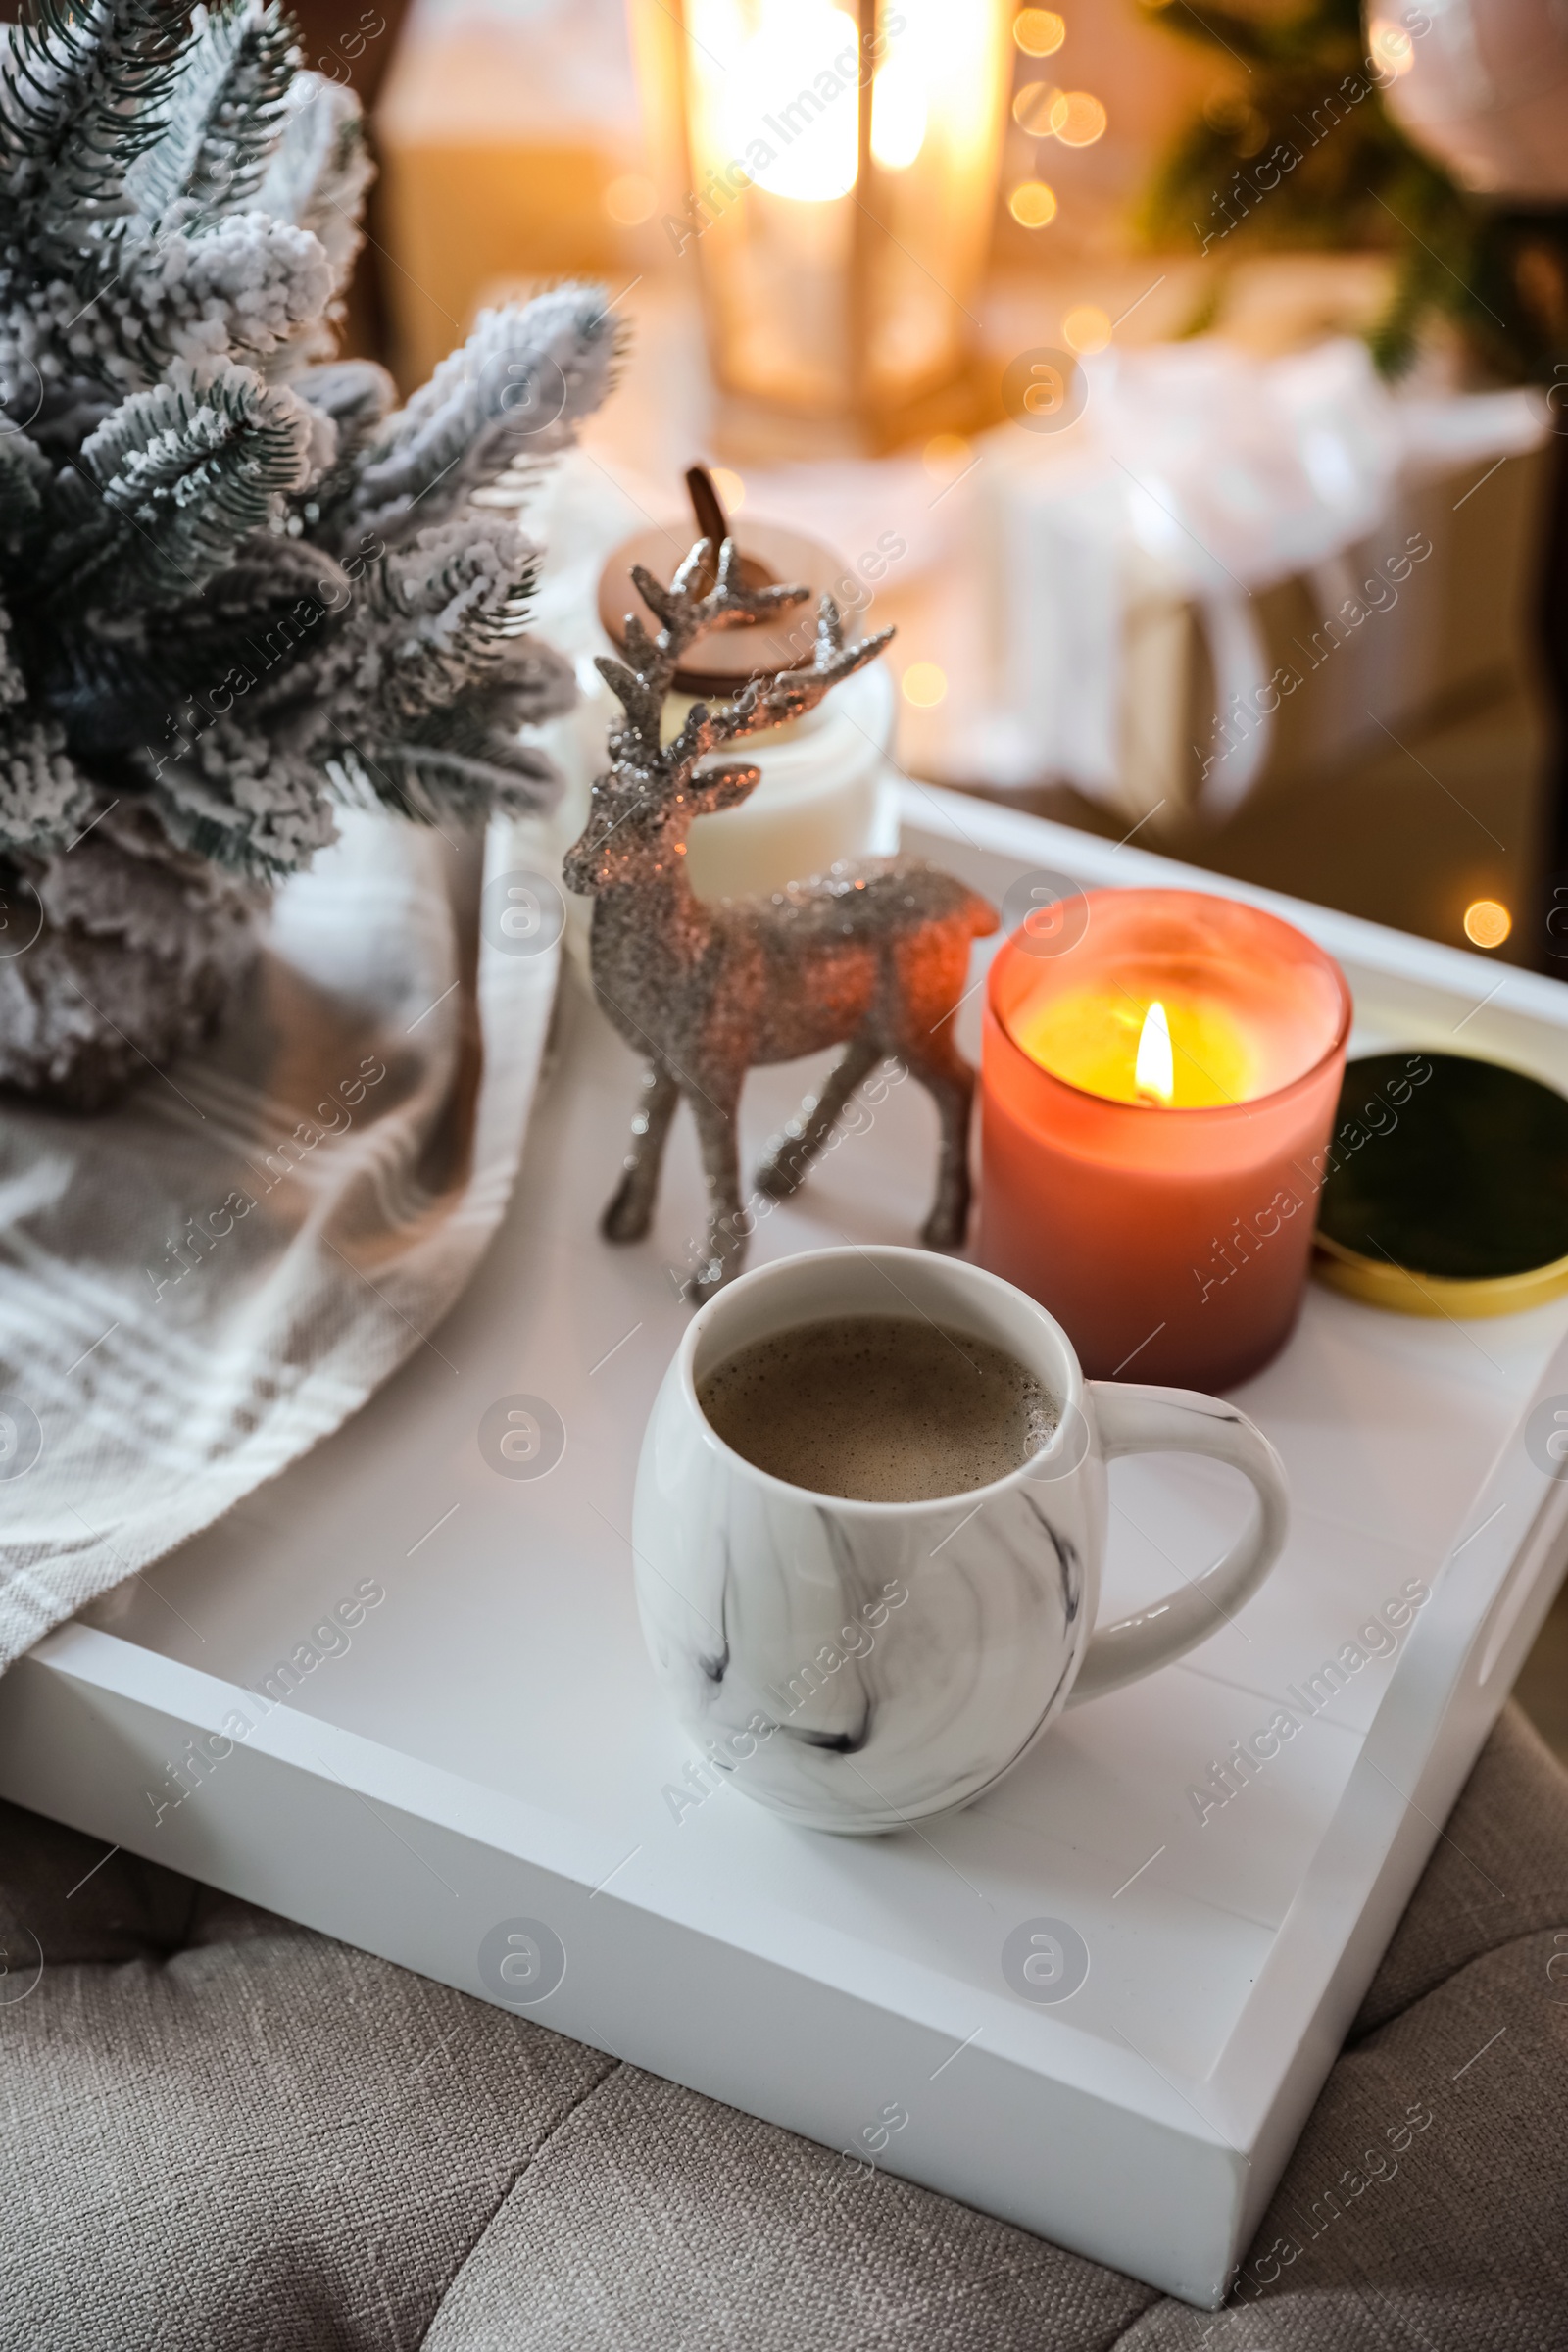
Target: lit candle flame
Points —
{"points": [[793, 139], [1155, 1073], [898, 114]]}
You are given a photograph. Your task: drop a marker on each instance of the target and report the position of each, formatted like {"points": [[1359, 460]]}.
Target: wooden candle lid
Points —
{"points": [[770, 555]]}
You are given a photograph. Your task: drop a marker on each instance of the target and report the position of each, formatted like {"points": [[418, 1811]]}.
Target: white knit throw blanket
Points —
{"points": [[198, 1286]]}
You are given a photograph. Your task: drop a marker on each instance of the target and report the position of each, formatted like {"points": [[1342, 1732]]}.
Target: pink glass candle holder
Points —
{"points": [[1169, 1233]]}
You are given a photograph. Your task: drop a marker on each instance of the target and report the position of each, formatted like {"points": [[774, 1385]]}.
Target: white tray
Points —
{"points": [[490, 1747]]}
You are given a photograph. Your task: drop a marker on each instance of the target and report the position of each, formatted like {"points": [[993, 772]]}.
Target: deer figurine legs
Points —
{"points": [[630, 1212], [791, 1154], [950, 1082], [727, 1227], [910, 1021]]}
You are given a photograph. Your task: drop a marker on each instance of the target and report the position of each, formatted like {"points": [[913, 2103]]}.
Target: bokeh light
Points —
{"points": [[924, 685], [1086, 329], [1033, 107], [1031, 204], [1487, 922], [1039, 31], [1392, 50], [630, 200], [1077, 120]]}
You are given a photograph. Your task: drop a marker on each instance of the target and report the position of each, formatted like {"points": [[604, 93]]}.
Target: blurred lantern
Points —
{"points": [[840, 167], [1482, 85]]}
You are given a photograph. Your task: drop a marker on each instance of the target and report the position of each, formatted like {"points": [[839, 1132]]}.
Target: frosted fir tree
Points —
{"points": [[238, 587]]}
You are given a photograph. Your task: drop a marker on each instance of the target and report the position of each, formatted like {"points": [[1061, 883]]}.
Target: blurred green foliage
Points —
{"points": [[1296, 150]]}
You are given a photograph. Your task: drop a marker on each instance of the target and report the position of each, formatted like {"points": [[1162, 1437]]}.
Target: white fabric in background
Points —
{"points": [[1057, 629], [173, 1347], [1231, 473]]}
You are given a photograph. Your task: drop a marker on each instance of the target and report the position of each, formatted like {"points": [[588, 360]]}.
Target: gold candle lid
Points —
{"points": [[769, 554], [1448, 1191]]}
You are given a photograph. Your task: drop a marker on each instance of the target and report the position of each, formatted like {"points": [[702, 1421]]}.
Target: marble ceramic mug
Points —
{"points": [[860, 1665]]}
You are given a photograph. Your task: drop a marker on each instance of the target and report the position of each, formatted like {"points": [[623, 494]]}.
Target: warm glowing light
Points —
{"points": [[924, 685], [1187, 1054], [898, 114], [786, 74], [815, 304], [1039, 31], [945, 455], [630, 200], [731, 489], [1154, 1073], [1031, 204], [1086, 329], [1487, 922], [1033, 107], [1392, 49], [1077, 120]]}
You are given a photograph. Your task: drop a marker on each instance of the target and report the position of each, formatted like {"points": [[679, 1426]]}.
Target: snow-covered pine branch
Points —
{"points": [[172, 483], [236, 579], [224, 118], [518, 390]]}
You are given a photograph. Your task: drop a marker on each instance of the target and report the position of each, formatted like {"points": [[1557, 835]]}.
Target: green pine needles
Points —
{"points": [[1299, 151], [238, 585]]}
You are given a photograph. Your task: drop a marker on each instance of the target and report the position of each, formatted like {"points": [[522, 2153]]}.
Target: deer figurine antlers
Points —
{"points": [[871, 955]]}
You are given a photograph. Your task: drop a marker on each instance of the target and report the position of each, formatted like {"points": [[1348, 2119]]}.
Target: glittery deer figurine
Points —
{"points": [[871, 955]]}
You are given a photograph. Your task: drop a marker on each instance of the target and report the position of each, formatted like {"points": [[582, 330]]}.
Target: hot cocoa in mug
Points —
{"points": [[870, 1523]]}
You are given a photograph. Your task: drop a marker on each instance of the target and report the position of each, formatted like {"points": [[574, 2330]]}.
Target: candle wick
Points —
{"points": [[713, 523]]}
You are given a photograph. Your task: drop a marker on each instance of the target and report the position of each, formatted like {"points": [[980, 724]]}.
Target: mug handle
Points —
{"points": [[1141, 1420]]}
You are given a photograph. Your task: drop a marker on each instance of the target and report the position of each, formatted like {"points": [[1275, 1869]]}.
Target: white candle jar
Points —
{"points": [[823, 793]]}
